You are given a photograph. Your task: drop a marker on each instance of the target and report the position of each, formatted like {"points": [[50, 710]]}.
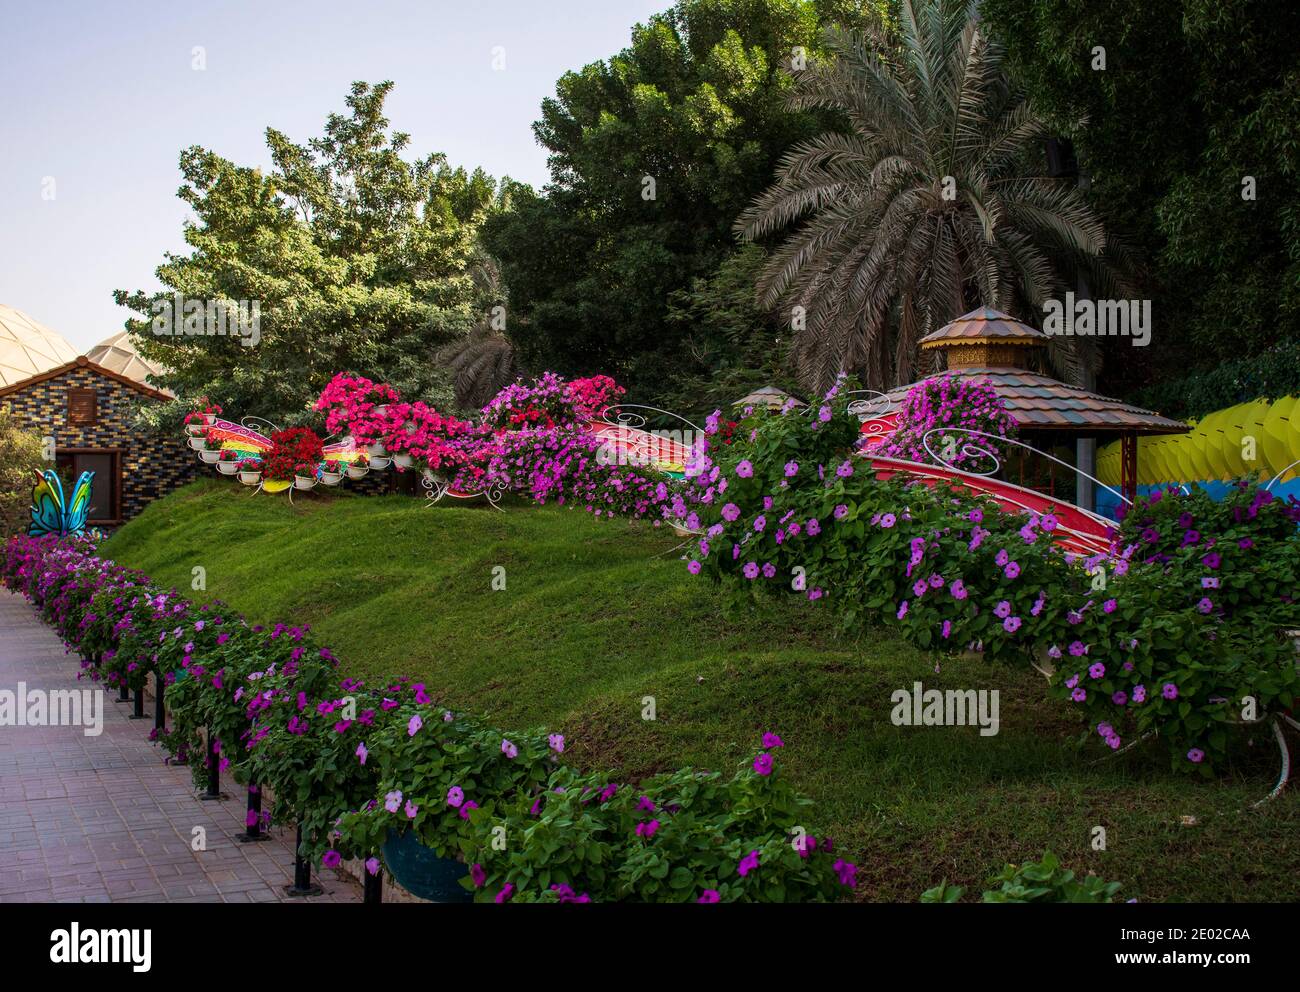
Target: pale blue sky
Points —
{"points": [[102, 97]]}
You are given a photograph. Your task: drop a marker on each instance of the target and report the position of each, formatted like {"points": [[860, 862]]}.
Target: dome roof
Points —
{"points": [[28, 348], [117, 354]]}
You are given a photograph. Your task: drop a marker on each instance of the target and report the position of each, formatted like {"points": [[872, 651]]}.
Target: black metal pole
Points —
{"points": [[214, 772], [159, 706], [302, 883], [123, 693], [372, 891], [138, 712], [253, 819]]}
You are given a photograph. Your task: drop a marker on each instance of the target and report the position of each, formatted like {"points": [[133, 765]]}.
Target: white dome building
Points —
{"points": [[28, 348], [117, 354]]}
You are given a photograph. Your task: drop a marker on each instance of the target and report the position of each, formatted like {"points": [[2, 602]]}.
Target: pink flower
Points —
{"points": [[477, 874], [771, 740], [393, 801], [747, 864], [455, 797], [710, 895], [556, 743], [509, 749], [763, 764], [361, 752], [413, 725]]}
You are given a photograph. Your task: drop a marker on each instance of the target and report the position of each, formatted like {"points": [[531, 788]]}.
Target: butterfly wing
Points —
{"points": [[346, 451], [74, 519], [47, 505], [238, 438]]}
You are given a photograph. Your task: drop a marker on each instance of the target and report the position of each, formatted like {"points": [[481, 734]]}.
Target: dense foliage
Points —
{"points": [[357, 257], [20, 466], [1168, 164]]}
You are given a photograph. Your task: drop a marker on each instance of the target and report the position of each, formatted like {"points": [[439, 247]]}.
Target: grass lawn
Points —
{"points": [[597, 615]]}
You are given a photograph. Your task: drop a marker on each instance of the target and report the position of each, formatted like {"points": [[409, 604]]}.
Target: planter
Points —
{"points": [[377, 461], [194, 430], [357, 471], [422, 872], [227, 467], [250, 478], [380, 410], [331, 478], [304, 481], [376, 449], [208, 457], [209, 419], [403, 461], [199, 443]]}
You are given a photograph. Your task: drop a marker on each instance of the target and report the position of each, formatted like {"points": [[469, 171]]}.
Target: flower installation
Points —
{"points": [[354, 764]]}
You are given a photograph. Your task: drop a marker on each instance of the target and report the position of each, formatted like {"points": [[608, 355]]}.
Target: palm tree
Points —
{"points": [[923, 208]]}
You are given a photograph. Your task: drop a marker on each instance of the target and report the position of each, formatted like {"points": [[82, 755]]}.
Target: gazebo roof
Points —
{"points": [[28, 348], [1039, 402], [991, 345], [117, 354], [768, 396]]}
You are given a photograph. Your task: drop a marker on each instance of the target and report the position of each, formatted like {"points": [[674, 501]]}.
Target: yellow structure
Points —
{"points": [[1255, 440]]}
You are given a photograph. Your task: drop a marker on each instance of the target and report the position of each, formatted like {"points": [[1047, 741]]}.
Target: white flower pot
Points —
{"points": [[357, 471], [209, 457], [331, 478], [209, 419], [250, 478], [376, 450], [402, 461], [377, 462], [304, 481], [194, 430], [227, 467], [380, 410], [199, 443]]}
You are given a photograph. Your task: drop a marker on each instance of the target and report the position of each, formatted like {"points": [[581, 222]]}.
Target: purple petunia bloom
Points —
{"points": [[1096, 670], [509, 749], [393, 801], [455, 797], [1119, 697], [747, 864], [1079, 695], [478, 875], [710, 895], [361, 752], [763, 764], [1206, 605], [771, 740], [331, 859], [791, 469], [413, 725], [1002, 610], [841, 512], [1169, 690], [1139, 694], [745, 469], [1196, 755], [556, 743], [1011, 624], [1012, 570], [751, 570], [887, 521]]}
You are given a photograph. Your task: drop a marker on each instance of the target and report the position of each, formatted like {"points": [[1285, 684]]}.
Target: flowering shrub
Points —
{"points": [[591, 397], [349, 403], [564, 467], [544, 403], [1137, 642], [291, 450], [202, 409], [955, 401], [349, 763], [1034, 881]]}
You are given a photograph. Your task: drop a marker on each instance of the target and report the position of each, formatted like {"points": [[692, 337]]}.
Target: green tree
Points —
{"points": [[925, 207], [653, 153], [358, 258], [20, 466], [1194, 98]]}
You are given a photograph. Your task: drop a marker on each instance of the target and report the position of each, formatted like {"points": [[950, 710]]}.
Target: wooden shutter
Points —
{"points": [[83, 407]]}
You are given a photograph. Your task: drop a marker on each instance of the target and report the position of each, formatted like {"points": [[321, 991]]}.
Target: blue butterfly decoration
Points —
{"points": [[51, 515]]}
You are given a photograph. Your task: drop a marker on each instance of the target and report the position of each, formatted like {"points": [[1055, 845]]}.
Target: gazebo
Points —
{"points": [[768, 397], [993, 346]]}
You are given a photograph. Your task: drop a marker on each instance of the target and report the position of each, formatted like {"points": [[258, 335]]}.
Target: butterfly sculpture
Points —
{"points": [[246, 442], [51, 514]]}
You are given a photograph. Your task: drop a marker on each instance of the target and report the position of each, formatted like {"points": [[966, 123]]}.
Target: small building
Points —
{"points": [[87, 411]]}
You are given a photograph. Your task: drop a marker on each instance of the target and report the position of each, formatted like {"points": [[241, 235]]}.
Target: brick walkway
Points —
{"points": [[102, 819]]}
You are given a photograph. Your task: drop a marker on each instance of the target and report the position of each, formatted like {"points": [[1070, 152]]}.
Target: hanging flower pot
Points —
{"points": [[378, 462], [304, 481], [381, 410], [209, 457], [250, 478], [199, 442], [357, 471], [421, 871], [402, 461], [227, 467], [377, 449]]}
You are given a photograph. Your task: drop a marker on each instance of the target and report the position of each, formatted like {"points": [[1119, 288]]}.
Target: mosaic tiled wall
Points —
{"points": [[151, 466]]}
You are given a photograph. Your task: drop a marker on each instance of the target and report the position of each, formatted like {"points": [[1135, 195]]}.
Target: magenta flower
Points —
{"points": [[331, 859], [411, 810], [841, 511], [1011, 624], [747, 864], [745, 469], [1048, 522], [372, 866], [477, 875], [1012, 570], [902, 609], [647, 830], [887, 521], [1109, 606], [393, 801], [361, 752], [958, 589], [556, 743], [791, 469], [846, 871], [506, 892], [1078, 649], [467, 808], [763, 764], [1205, 605], [845, 469], [1097, 670], [1196, 755], [455, 797], [1079, 695], [730, 512], [750, 570], [1119, 697], [1139, 694], [709, 895], [509, 749], [693, 567], [771, 740], [1212, 560], [1169, 690], [645, 804], [1003, 609], [413, 725]]}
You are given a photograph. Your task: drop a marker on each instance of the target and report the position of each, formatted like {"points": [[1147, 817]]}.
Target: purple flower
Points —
{"points": [[958, 589], [1196, 755], [467, 808], [693, 567], [361, 752], [1002, 558], [1119, 697], [1011, 624], [763, 764], [975, 516], [751, 570], [841, 512], [814, 528], [845, 469], [506, 892], [1212, 560], [1205, 605], [760, 522], [1012, 570], [1139, 694], [902, 609], [1079, 695], [393, 801], [1078, 649], [1209, 582], [647, 830], [411, 810], [730, 512], [791, 469], [1096, 670], [745, 469], [1109, 606], [887, 521], [1002, 610], [1048, 522], [771, 740], [455, 797], [747, 864], [846, 871], [372, 866], [709, 895], [1169, 690], [509, 749], [478, 875], [331, 859], [556, 743]]}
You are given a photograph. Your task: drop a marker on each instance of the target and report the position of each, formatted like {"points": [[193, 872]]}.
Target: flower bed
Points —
{"points": [[1164, 634], [349, 762]]}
